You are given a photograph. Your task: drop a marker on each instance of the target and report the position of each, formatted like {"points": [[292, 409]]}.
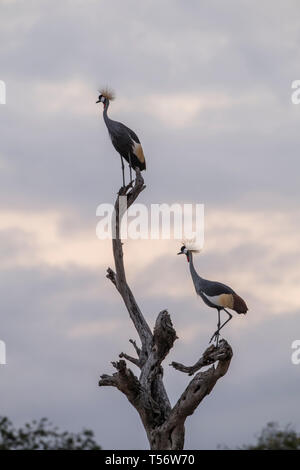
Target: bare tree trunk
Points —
{"points": [[164, 424]]}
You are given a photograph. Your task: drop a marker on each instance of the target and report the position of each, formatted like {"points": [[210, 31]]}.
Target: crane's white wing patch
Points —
{"points": [[138, 151], [222, 300]]}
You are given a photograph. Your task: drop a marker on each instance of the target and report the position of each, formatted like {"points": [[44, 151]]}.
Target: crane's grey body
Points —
{"points": [[124, 140], [122, 137], [206, 288]]}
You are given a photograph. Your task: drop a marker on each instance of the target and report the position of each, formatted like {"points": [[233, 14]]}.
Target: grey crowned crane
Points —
{"points": [[125, 141], [214, 294]]}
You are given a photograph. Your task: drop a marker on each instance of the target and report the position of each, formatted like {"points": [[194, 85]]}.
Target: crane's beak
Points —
{"points": [[98, 101], [180, 253]]}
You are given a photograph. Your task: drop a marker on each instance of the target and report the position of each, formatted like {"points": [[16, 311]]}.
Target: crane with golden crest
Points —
{"points": [[213, 293], [125, 141]]}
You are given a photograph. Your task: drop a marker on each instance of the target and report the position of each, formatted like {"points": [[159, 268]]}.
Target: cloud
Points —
{"points": [[255, 255]]}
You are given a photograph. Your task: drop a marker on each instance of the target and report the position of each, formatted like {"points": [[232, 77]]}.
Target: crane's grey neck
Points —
{"points": [[195, 276], [105, 116], [191, 263]]}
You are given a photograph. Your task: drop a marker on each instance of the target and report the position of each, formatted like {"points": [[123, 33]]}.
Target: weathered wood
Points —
{"points": [[211, 355], [163, 424]]}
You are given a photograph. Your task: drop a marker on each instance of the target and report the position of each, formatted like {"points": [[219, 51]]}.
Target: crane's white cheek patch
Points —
{"points": [[223, 300], [138, 151]]}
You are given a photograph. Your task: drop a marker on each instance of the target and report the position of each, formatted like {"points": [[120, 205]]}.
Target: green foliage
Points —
{"points": [[274, 438], [42, 435]]}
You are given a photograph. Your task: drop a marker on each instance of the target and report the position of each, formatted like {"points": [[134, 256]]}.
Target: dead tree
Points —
{"points": [[164, 424]]}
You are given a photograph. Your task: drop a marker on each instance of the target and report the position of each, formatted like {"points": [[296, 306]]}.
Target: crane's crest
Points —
{"points": [[107, 93], [192, 245]]}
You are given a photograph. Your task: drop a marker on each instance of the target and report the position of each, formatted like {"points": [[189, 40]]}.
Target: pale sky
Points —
{"points": [[207, 87]]}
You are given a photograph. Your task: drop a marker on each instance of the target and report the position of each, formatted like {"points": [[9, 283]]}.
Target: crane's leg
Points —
{"points": [[219, 323], [130, 168], [122, 163], [228, 319], [217, 333]]}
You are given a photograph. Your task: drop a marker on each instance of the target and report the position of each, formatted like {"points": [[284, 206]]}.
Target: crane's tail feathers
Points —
{"points": [[108, 93], [239, 305], [192, 245]]}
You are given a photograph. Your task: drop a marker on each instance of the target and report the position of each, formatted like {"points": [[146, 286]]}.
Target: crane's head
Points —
{"points": [[106, 95], [188, 247], [184, 251]]}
